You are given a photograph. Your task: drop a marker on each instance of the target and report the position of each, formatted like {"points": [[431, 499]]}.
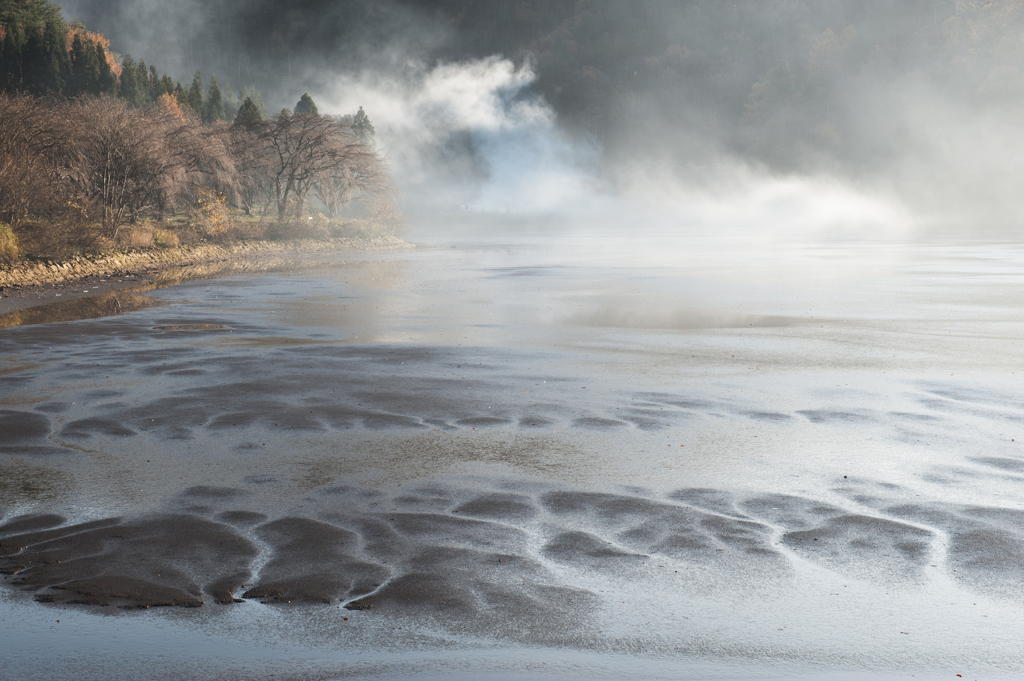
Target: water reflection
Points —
{"points": [[86, 307], [619, 316], [368, 274], [23, 482]]}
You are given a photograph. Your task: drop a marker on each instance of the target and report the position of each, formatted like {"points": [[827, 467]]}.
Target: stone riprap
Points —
{"points": [[49, 273]]}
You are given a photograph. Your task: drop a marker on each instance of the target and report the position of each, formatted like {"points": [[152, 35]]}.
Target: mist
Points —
{"points": [[470, 137], [859, 118], [655, 339]]}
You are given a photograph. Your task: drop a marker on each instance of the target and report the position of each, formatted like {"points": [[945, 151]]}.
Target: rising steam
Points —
{"points": [[471, 138]]}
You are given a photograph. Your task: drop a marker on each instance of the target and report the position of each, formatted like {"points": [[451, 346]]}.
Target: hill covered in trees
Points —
{"points": [[98, 150], [42, 55]]}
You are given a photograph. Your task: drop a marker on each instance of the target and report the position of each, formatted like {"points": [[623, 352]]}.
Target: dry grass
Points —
{"points": [[9, 253], [65, 235], [318, 226], [163, 238], [135, 237]]}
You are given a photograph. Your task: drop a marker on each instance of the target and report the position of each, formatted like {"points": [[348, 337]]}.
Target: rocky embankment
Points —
{"points": [[50, 273]]}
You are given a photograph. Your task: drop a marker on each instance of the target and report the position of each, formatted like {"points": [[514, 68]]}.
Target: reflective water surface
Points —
{"points": [[525, 454]]}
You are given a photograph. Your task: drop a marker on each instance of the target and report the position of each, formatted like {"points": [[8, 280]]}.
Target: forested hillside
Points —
{"points": [[98, 151], [42, 55]]}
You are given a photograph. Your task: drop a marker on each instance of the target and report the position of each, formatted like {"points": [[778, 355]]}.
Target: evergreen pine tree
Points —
{"points": [[142, 79], [306, 105], [195, 94], [256, 99], [214, 103], [181, 95], [84, 69], [230, 102], [54, 76], [248, 116], [30, 13], [362, 127], [156, 86], [34, 54], [131, 89], [76, 55], [59, 70], [33, 60], [12, 60], [244, 94], [106, 79]]}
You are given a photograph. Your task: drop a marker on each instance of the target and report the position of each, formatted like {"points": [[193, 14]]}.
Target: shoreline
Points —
{"points": [[36, 281], [52, 272]]}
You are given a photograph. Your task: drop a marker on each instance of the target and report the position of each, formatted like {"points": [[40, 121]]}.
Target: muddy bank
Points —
{"points": [[51, 273]]}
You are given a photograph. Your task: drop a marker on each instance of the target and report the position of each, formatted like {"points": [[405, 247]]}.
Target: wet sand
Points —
{"points": [[521, 458]]}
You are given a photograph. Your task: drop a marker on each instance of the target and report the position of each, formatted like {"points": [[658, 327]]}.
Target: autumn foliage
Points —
{"points": [[92, 39], [75, 172], [91, 142], [170, 105]]}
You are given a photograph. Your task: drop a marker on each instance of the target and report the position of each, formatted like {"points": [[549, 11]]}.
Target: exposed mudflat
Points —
{"points": [[524, 458]]}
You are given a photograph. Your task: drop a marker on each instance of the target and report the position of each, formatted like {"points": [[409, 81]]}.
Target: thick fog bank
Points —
{"points": [[878, 117], [472, 142]]}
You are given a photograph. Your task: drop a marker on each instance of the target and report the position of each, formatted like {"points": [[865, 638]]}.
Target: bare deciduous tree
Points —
{"points": [[307, 150], [29, 138], [362, 172], [114, 160], [250, 186], [202, 155], [87, 166], [125, 161]]}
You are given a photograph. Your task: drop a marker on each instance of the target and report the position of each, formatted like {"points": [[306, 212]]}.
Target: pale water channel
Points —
{"points": [[525, 454]]}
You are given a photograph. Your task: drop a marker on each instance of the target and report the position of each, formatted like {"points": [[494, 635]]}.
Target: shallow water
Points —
{"points": [[527, 455]]}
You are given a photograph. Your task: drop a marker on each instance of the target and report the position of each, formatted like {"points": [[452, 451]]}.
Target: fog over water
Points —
{"points": [[706, 363]]}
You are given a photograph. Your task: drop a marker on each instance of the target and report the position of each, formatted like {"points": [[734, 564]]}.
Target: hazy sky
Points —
{"points": [[508, 105]]}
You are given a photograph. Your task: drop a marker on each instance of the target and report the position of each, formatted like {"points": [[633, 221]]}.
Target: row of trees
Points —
{"points": [[284, 160], [103, 162], [90, 141], [213, 106], [98, 160]]}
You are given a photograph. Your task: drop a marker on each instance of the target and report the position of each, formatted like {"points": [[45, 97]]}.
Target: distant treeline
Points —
{"points": [[74, 172], [42, 55]]}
